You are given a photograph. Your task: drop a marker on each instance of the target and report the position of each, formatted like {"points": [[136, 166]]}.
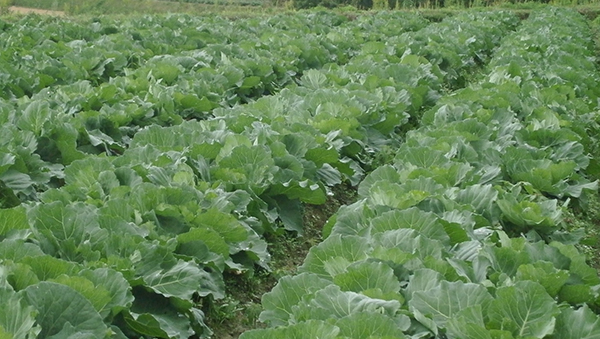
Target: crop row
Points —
{"points": [[37, 54], [128, 243], [57, 52], [213, 63], [116, 77], [462, 236]]}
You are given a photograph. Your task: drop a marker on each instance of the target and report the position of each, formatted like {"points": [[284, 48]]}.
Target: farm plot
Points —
{"points": [[462, 237], [116, 225], [144, 158]]}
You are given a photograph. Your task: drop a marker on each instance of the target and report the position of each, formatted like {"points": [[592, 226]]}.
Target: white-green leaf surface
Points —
{"points": [[582, 323], [63, 312], [444, 301], [289, 291], [525, 309]]}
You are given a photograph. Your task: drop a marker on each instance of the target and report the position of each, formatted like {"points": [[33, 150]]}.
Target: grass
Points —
{"points": [[586, 216], [228, 8], [242, 8]]}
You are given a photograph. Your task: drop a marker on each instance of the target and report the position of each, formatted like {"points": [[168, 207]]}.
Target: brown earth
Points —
{"points": [[25, 10], [239, 312]]}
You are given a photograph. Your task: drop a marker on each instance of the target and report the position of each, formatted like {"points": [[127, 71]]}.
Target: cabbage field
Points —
{"points": [[145, 158]]}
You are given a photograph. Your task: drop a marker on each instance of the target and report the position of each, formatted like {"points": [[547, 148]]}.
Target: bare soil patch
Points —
{"points": [[239, 312], [26, 10]]}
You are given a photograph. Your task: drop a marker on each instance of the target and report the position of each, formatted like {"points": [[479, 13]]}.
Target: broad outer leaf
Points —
{"points": [[17, 320], [62, 310], [226, 224], [333, 255], [98, 297], [545, 274], [307, 330], [46, 267], [468, 324], [351, 220], [410, 241], [577, 324], [34, 116], [16, 180], [395, 195], [287, 293], [113, 285], [154, 315], [18, 249], [366, 275], [290, 213], [481, 197], [423, 279], [171, 277], [331, 302], [84, 173], [6, 160], [444, 301], [578, 266], [525, 309], [65, 230], [426, 223], [306, 191], [12, 219], [383, 173], [21, 276], [367, 325], [423, 157], [506, 259], [254, 164]]}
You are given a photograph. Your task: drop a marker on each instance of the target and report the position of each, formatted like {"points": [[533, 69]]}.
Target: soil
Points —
{"points": [[240, 310], [26, 10]]}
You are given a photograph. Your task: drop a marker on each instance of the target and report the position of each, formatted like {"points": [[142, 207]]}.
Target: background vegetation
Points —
{"points": [[241, 7], [237, 8]]}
